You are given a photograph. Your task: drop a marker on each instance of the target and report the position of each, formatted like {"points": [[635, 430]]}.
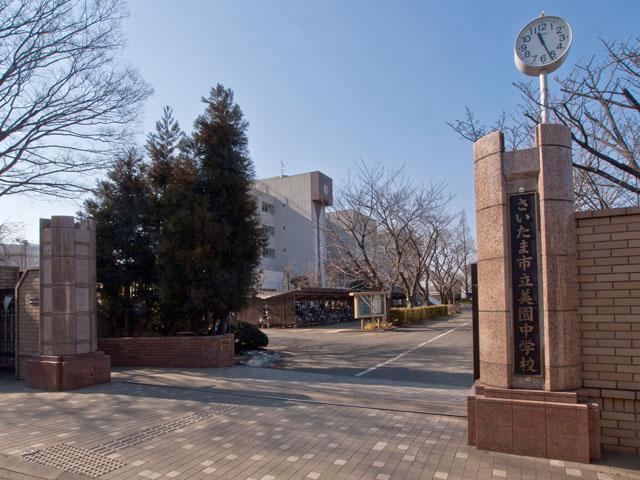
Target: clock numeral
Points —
{"points": [[523, 47], [558, 30], [527, 54], [526, 39], [534, 58], [562, 37], [552, 54], [560, 46], [541, 28], [543, 58]]}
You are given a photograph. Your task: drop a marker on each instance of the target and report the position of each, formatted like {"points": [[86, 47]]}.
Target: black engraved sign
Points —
{"points": [[524, 274]]}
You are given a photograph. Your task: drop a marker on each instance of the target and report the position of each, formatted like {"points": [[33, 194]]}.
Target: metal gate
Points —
{"points": [[7, 329]]}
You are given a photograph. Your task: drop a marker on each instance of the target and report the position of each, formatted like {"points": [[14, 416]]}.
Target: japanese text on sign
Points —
{"points": [[524, 268]]}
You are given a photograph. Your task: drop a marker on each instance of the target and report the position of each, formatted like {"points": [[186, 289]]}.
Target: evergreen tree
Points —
{"points": [[229, 236], [184, 214], [179, 240], [163, 148], [121, 208], [171, 180]]}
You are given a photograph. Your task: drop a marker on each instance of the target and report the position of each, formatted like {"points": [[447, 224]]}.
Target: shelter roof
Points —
{"points": [[307, 293]]}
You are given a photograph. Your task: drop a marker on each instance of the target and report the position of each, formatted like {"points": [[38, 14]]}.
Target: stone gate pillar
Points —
{"points": [[69, 356], [528, 400]]}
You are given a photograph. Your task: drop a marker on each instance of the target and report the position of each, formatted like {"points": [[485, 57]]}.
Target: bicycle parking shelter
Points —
{"points": [[302, 307]]}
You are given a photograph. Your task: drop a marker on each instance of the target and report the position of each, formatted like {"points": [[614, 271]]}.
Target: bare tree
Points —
{"points": [[354, 244], [10, 233], [384, 230], [593, 192], [454, 249], [600, 102], [517, 131], [310, 276], [66, 101], [287, 270]]}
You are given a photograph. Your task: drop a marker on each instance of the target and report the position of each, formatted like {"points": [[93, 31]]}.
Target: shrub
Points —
{"points": [[373, 325], [403, 317], [248, 337]]}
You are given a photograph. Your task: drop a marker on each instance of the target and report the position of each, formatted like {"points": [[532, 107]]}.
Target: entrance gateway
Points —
{"points": [[528, 399], [67, 355]]}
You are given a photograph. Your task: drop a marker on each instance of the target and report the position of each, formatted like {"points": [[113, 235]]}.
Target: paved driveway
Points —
{"points": [[438, 353], [371, 413], [184, 425]]}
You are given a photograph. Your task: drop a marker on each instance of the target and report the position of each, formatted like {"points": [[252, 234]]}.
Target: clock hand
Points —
{"points": [[544, 44]]}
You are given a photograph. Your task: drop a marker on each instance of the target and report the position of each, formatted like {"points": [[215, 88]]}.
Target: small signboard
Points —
{"points": [[369, 305]]}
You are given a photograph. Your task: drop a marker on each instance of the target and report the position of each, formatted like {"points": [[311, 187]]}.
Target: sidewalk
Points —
{"points": [[213, 425]]}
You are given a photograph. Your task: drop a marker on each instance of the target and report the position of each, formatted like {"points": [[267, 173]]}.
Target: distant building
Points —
{"points": [[293, 212], [22, 255]]}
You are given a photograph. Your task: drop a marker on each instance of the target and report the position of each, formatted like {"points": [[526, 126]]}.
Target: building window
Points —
{"points": [[268, 208], [268, 252], [271, 231]]}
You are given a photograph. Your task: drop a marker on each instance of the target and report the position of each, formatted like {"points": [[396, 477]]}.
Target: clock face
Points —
{"points": [[542, 45]]}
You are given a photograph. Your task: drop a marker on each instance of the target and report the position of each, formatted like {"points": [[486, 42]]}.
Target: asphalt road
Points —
{"points": [[438, 353]]}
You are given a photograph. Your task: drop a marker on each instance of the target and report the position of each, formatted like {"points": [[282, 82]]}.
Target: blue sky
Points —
{"points": [[324, 83]]}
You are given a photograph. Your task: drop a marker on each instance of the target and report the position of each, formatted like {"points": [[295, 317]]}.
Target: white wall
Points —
{"points": [[295, 223]]}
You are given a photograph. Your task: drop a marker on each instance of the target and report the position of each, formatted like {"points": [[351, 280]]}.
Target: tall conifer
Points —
{"points": [[230, 236], [172, 179], [125, 260]]}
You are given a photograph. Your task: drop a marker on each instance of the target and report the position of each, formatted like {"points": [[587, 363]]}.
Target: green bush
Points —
{"points": [[404, 317], [248, 337]]}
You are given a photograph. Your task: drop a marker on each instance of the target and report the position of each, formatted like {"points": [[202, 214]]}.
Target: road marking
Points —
{"points": [[412, 349]]}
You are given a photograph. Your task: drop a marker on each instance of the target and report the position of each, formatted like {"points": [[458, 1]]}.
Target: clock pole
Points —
{"points": [[544, 98]]}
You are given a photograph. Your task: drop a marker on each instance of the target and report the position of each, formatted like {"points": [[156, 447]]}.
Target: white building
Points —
{"points": [[293, 211]]}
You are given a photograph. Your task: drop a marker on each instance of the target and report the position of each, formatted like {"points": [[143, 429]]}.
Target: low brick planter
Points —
{"points": [[170, 352]]}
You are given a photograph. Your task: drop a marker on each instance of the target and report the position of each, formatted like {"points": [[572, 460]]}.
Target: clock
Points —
{"points": [[542, 45]]}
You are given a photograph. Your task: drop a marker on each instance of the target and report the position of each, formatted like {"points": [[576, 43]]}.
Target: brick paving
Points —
{"points": [[186, 432]]}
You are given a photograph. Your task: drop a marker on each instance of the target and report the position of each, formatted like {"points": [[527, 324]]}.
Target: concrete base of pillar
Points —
{"points": [[537, 423], [68, 372]]}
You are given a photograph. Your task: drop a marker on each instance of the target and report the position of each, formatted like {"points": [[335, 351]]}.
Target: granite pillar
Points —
{"points": [[69, 356], [543, 413]]}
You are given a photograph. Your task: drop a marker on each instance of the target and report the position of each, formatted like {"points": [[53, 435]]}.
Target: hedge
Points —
{"points": [[404, 317]]}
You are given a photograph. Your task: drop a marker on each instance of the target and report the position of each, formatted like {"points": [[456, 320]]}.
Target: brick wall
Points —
{"points": [[28, 318], [176, 352], [609, 293]]}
